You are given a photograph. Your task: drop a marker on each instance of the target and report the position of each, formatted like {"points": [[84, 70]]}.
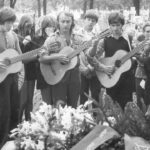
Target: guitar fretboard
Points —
{"points": [[133, 52], [26, 55], [89, 43]]}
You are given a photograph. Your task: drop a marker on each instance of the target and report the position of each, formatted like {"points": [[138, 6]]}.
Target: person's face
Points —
{"points": [[28, 28], [147, 32], [90, 23], [116, 28], [65, 23], [49, 30], [8, 26]]}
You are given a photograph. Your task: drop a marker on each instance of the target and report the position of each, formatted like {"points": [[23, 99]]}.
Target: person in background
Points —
{"points": [[89, 80], [48, 27], [9, 94], [26, 33], [139, 75], [142, 72]]}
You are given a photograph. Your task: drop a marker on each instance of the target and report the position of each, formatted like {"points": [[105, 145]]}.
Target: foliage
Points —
{"points": [[131, 121], [57, 128]]}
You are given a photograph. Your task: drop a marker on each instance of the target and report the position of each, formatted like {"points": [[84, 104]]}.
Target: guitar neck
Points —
{"points": [[89, 43], [25, 56], [80, 48], [133, 52]]}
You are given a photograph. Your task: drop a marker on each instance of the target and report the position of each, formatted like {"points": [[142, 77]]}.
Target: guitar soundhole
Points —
{"points": [[118, 63], [7, 61], [63, 63]]}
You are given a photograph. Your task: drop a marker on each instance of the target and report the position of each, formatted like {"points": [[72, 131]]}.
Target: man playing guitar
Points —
{"points": [[122, 91], [9, 95], [68, 89]]}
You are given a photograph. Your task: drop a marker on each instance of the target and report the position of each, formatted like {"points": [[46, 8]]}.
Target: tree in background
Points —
{"points": [[12, 3], [137, 6], [39, 8], [1, 3], [44, 7], [91, 4]]}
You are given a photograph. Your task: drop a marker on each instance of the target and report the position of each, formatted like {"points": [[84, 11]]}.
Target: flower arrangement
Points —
{"points": [[53, 128], [66, 128]]}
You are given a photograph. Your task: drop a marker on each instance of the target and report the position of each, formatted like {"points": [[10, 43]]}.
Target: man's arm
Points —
{"points": [[95, 53], [94, 57], [146, 53], [51, 45]]}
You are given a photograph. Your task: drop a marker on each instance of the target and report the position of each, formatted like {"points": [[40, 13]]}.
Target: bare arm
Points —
{"points": [[46, 55], [146, 53], [95, 59], [95, 53]]}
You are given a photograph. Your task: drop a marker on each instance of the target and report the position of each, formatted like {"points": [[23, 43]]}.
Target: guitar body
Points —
{"points": [[12, 68], [108, 81], [54, 72]]}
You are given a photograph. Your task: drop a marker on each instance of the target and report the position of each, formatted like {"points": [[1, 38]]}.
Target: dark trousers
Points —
{"points": [[139, 92], [9, 106], [92, 85], [26, 99], [46, 95], [147, 92], [122, 91], [67, 91]]}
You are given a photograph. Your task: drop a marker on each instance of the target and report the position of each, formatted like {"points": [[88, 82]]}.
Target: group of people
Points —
{"points": [[52, 48]]}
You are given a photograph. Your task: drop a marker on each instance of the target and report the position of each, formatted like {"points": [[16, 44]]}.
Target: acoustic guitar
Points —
{"points": [[55, 71], [122, 62], [13, 61]]}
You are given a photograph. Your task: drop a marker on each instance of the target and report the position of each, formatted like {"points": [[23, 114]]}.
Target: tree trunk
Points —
{"points": [[12, 3], [136, 4], [91, 4], [84, 6], [1, 3], [44, 7], [39, 8]]}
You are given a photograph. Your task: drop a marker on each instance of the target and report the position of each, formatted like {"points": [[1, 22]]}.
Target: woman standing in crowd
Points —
{"points": [[26, 32], [48, 26]]}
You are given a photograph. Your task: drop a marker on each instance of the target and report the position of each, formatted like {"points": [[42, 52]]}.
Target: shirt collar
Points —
{"points": [[57, 32], [125, 36]]}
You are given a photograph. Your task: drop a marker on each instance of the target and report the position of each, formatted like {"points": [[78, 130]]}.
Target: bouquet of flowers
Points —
{"points": [[53, 128]]}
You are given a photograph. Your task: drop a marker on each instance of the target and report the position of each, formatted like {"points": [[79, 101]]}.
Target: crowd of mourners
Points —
{"points": [[42, 60]]}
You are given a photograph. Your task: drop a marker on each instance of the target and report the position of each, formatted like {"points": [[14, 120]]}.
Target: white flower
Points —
{"points": [[88, 102], [112, 120], [105, 123], [62, 135], [28, 144], [40, 145]]}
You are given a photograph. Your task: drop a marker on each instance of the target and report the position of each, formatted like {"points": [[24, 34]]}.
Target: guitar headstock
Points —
{"points": [[103, 34]]}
